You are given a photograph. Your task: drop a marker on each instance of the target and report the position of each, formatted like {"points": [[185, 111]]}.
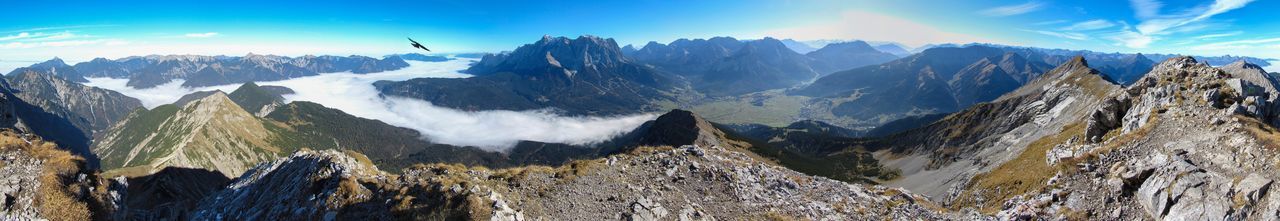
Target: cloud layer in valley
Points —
{"points": [[355, 94]]}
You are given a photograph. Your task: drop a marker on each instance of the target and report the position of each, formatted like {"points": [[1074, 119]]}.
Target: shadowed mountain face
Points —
{"points": [[66, 112], [197, 71], [894, 49], [847, 55], [724, 66], [583, 76], [1127, 70], [933, 81]]}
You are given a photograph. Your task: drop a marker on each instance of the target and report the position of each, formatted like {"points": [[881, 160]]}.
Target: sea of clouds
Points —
{"points": [[495, 130]]}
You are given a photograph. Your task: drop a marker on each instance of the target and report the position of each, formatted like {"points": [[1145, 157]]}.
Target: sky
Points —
{"points": [[79, 31]]}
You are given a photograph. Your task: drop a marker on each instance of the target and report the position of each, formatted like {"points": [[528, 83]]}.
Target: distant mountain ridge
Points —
{"points": [[584, 76], [196, 70], [724, 66]]}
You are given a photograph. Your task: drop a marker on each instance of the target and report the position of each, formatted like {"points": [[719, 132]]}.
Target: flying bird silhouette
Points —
{"points": [[416, 45]]}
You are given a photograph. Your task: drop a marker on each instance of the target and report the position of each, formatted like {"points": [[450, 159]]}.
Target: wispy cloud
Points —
{"points": [[1067, 35], [1154, 23], [201, 35], [52, 37], [15, 45], [1050, 22], [16, 36], [1219, 35], [1010, 10], [1239, 44], [58, 28], [1089, 25], [853, 25]]}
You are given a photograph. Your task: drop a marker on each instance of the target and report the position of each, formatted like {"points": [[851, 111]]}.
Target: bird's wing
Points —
{"points": [[414, 42]]}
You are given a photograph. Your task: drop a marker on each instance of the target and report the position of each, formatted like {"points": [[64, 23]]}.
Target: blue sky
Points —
{"points": [[39, 30]]}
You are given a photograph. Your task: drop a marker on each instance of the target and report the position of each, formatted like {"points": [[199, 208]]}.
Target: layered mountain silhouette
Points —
{"points": [[933, 81], [583, 76], [724, 66], [197, 71]]}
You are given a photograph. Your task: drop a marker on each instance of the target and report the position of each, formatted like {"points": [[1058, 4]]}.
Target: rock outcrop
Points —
{"points": [[650, 183], [1193, 143], [38, 181]]}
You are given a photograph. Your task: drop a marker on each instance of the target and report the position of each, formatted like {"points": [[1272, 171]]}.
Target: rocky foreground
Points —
{"points": [[1186, 142], [651, 183], [713, 177]]}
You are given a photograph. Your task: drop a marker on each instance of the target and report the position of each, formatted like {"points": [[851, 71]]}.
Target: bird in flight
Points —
{"points": [[416, 45]]}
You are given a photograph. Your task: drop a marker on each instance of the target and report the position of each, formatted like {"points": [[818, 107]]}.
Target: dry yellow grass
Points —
{"points": [[55, 199], [1026, 173]]}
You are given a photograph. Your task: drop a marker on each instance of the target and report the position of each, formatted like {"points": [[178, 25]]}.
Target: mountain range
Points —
{"points": [[952, 132], [583, 76], [197, 71]]}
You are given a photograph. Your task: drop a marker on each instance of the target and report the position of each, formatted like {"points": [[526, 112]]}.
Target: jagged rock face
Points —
{"points": [[650, 184], [1190, 146], [40, 182], [570, 56], [938, 158], [212, 133], [583, 76], [64, 111], [307, 185], [89, 108]]}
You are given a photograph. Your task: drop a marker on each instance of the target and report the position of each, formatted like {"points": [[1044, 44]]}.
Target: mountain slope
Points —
{"points": [[847, 55], [1185, 142], [212, 133], [62, 111], [259, 100], [39, 181], [646, 184], [583, 76], [724, 66], [948, 152], [934, 81]]}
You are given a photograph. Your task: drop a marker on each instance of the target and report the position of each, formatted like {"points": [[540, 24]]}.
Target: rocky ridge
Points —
{"points": [[1185, 142]]}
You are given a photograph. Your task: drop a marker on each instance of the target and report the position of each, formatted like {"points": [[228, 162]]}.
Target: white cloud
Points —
{"points": [[355, 94], [1050, 22], [1067, 35], [25, 45], [1010, 10], [1219, 35], [1154, 23], [1089, 25], [201, 35], [60, 28], [1146, 9], [38, 37], [17, 36], [1238, 44], [871, 26], [1131, 39]]}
